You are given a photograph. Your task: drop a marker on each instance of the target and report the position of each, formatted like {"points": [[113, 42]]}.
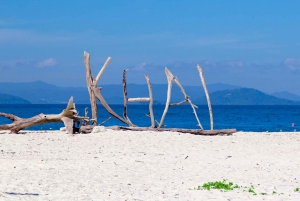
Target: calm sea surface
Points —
{"points": [[243, 118]]}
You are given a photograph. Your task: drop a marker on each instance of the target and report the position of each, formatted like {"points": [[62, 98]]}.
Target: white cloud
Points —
{"points": [[46, 63], [292, 64], [234, 64], [29, 63], [139, 67]]}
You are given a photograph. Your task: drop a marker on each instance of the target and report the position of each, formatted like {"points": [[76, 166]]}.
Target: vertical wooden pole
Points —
{"points": [[125, 96], [89, 82], [151, 102], [207, 97], [170, 80]]}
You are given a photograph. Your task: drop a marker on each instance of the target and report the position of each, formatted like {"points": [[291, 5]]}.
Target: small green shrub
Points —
{"points": [[221, 185], [252, 191]]}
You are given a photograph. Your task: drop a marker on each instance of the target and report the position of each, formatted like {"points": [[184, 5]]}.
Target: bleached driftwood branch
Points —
{"points": [[97, 92], [191, 131], [68, 116], [150, 101], [132, 100], [101, 71], [207, 97], [89, 82], [187, 98], [125, 96], [171, 78]]}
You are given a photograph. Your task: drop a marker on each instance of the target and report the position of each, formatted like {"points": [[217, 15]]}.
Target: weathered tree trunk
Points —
{"points": [[207, 97], [68, 116], [125, 96], [89, 82], [150, 102], [170, 79]]}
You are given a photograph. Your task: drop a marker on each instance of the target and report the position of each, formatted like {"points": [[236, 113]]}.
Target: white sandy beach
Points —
{"points": [[126, 165]]}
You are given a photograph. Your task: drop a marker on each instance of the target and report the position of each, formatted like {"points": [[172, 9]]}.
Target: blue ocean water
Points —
{"points": [[243, 118]]}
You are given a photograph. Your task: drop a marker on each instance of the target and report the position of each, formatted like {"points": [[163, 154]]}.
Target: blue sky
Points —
{"points": [[248, 43]]}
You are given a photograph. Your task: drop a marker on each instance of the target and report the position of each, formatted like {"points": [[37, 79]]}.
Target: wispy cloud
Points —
{"points": [[46, 63], [234, 64], [20, 36], [139, 67], [29, 63], [292, 64]]}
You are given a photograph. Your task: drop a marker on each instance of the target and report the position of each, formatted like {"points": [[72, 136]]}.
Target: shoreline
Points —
{"points": [[147, 165]]}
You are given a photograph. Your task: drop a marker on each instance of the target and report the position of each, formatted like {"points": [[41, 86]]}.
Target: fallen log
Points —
{"points": [[68, 116], [191, 131]]}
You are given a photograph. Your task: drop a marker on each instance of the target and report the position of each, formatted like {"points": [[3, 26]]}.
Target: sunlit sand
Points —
{"points": [[127, 165]]}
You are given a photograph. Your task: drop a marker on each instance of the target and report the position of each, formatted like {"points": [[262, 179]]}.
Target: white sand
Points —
{"points": [[124, 165]]}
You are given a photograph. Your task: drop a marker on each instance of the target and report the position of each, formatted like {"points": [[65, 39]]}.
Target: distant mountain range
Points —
{"points": [[286, 95], [43, 93], [245, 96], [9, 99], [220, 94]]}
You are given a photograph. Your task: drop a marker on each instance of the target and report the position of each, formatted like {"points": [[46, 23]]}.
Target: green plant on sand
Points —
{"points": [[221, 185]]}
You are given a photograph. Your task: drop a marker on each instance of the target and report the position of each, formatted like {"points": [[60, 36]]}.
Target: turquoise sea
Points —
{"points": [[243, 118]]}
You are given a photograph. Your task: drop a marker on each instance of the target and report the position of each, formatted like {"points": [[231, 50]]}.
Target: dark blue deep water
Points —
{"points": [[243, 118]]}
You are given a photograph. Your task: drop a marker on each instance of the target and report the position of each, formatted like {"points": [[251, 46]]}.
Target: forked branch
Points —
{"points": [[170, 79]]}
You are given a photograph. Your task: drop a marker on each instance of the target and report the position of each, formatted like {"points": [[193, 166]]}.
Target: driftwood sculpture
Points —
{"points": [[68, 116], [95, 92]]}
